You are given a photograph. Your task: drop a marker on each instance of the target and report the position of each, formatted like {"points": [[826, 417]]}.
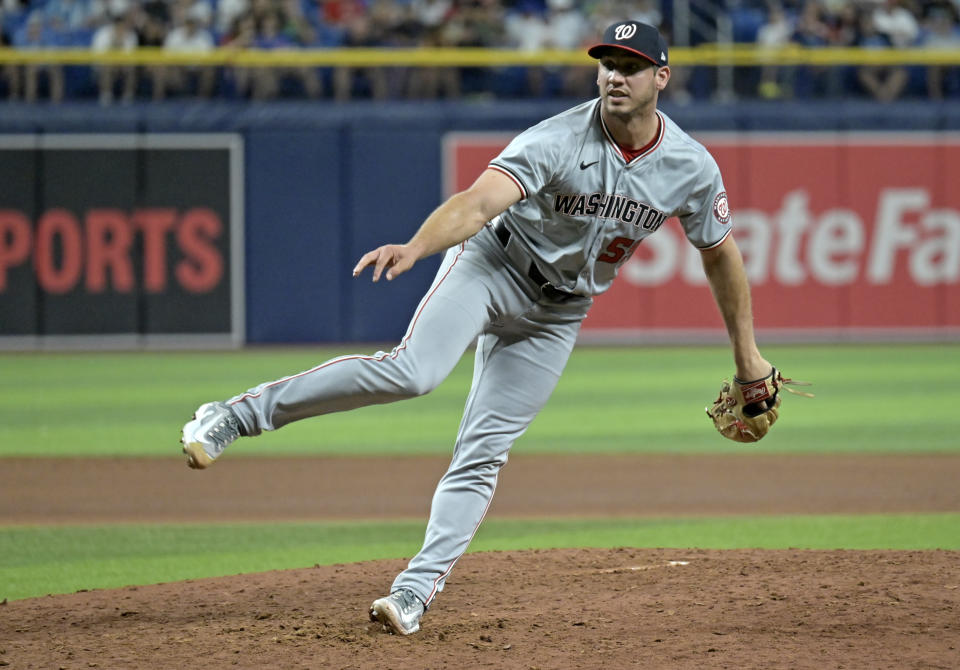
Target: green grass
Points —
{"points": [[876, 398], [36, 561], [869, 398], [873, 398]]}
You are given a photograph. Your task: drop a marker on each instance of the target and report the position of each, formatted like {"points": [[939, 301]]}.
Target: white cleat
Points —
{"points": [[399, 612], [211, 430]]}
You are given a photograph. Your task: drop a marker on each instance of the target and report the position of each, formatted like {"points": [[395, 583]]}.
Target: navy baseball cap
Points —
{"points": [[638, 38]]}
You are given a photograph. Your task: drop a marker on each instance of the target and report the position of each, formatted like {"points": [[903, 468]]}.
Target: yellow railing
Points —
{"points": [[708, 55]]}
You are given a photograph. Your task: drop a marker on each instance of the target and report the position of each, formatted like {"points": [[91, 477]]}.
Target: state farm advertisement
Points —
{"points": [[120, 235], [856, 233]]}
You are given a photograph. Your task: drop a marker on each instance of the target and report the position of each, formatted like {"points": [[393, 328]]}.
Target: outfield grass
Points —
{"points": [[898, 398], [876, 398], [43, 560]]}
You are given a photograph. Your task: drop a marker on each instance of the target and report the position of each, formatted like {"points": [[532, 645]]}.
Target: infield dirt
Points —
{"points": [[572, 608]]}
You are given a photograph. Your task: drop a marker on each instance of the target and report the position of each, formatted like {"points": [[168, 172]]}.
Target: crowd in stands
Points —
{"points": [[865, 24], [201, 25]]}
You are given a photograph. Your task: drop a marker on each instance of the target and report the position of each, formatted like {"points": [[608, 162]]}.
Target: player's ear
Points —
{"points": [[662, 76]]}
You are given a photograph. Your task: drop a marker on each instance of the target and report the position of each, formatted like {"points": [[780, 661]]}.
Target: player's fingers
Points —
{"points": [[364, 261], [384, 259], [400, 265]]}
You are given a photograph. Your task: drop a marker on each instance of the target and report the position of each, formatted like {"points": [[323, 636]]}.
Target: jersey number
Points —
{"points": [[616, 250]]}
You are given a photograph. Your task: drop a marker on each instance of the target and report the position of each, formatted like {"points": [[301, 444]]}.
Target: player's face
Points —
{"points": [[629, 84]]}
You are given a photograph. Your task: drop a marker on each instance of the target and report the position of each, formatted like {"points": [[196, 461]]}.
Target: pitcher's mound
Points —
{"points": [[594, 608]]}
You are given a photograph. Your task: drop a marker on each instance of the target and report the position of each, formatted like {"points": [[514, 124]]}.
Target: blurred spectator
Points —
{"points": [[152, 26], [881, 82], [260, 8], [526, 24], [407, 31], [401, 29], [431, 13], [188, 36], [71, 15], [460, 30], [482, 23], [941, 32], [394, 23], [295, 25], [605, 12], [372, 81], [104, 9], [154, 23], [9, 72], [264, 83], [898, 23], [341, 13], [647, 11], [567, 29], [116, 35], [811, 27], [266, 80], [200, 10], [269, 33], [228, 11], [812, 30], [13, 8], [34, 35], [434, 82], [301, 33], [773, 35], [240, 38], [842, 24], [526, 29]]}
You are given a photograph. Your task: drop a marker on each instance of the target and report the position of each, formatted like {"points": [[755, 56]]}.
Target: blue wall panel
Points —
{"points": [[294, 263], [395, 175]]}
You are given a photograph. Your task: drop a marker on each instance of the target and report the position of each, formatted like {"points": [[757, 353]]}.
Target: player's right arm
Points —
{"points": [[459, 218]]}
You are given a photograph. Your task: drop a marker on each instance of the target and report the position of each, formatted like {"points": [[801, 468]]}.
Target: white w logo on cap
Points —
{"points": [[625, 31]]}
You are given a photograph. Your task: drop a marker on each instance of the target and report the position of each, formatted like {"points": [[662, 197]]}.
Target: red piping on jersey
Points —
{"points": [[503, 170], [396, 351], [653, 146]]}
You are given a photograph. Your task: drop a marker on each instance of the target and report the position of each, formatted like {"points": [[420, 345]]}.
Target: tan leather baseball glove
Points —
{"points": [[745, 411]]}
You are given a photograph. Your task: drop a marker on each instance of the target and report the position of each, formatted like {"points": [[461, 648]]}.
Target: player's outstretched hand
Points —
{"points": [[394, 258]]}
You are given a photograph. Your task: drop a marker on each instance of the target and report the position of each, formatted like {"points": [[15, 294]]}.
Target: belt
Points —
{"points": [[533, 272]]}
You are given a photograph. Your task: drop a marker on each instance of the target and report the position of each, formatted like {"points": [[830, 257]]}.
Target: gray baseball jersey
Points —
{"points": [[585, 209]]}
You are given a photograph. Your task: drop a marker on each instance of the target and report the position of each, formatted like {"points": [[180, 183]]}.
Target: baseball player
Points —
{"points": [[542, 230]]}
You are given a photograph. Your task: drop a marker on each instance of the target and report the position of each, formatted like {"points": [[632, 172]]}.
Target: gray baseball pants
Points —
{"points": [[523, 343]]}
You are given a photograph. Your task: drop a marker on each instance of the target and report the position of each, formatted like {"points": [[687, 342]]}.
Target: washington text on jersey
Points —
{"points": [[607, 206]]}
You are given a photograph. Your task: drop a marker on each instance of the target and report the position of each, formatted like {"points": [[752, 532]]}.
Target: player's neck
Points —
{"points": [[635, 131]]}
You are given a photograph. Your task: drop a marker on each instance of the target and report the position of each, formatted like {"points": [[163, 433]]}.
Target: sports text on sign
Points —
{"points": [[99, 248]]}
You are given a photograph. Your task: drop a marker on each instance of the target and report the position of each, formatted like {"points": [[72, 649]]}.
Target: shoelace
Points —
{"points": [[224, 431], [408, 601]]}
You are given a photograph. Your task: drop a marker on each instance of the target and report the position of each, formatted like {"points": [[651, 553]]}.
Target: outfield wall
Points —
{"points": [[847, 214]]}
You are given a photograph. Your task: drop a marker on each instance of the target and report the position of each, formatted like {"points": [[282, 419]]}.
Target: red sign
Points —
{"points": [[852, 232]]}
